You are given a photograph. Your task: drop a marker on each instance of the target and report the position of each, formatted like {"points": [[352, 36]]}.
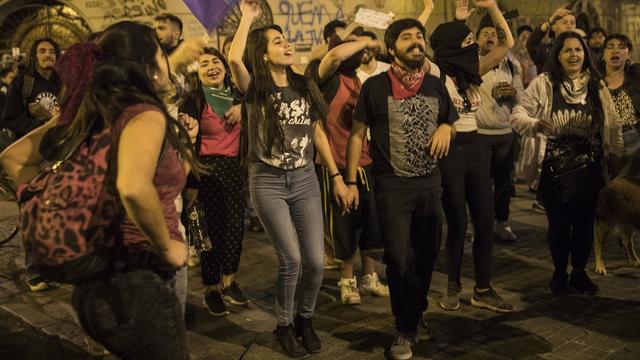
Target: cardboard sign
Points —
{"points": [[374, 19]]}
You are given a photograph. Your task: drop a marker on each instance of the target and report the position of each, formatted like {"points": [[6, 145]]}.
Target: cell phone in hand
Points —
{"points": [[511, 14]]}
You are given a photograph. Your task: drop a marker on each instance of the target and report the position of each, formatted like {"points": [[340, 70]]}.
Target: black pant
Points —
{"points": [[571, 224], [466, 180], [410, 219], [223, 199], [135, 315], [498, 149], [358, 229]]}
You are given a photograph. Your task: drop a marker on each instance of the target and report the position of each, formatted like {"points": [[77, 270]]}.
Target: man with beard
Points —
{"points": [[32, 98], [370, 65], [168, 27], [6, 76], [410, 114], [335, 74], [499, 93], [595, 38]]}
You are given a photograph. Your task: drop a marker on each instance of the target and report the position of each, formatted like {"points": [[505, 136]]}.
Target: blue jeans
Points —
{"points": [[289, 207]]}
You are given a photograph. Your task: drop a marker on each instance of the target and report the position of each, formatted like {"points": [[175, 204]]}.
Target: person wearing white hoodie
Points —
{"points": [[500, 90]]}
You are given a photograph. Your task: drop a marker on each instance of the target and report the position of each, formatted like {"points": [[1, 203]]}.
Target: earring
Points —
{"points": [[155, 77]]}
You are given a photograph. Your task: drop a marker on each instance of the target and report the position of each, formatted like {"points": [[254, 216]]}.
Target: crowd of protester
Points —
{"points": [[369, 151]]}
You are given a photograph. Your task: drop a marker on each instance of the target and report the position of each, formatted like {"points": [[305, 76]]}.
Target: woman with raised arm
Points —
{"points": [[465, 172], [571, 108], [221, 192], [282, 121]]}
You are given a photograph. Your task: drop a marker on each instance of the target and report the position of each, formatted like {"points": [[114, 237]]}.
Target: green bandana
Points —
{"points": [[220, 100]]}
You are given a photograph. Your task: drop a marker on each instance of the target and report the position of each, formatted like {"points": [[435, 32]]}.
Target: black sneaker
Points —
{"points": [[289, 342], [451, 299], [310, 340], [558, 283], [214, 303], [491, 300], [580, 281], [233, 295], [424, 330], [401, 347]]}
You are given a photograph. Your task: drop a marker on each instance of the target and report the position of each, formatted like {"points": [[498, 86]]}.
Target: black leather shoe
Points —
{"points": [[558, 283], [581, 282], [290, 343], [310, 340]]}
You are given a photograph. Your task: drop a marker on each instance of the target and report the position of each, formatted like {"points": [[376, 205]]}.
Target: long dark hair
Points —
{"points": [[555, 68], [631, 71], [557, 74], [266, 129], [123, 77], [196, 84], [32, 60]]}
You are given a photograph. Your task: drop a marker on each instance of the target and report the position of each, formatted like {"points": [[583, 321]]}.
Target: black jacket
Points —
{"points": [[16, 116]]}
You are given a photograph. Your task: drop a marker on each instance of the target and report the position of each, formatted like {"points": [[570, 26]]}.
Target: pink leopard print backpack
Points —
{"points": [[69, 213]]}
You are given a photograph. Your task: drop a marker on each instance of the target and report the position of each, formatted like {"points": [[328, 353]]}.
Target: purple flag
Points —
{"points": [[210, 13]]}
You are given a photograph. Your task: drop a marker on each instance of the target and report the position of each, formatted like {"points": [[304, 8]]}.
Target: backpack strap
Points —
{"points": [[512, 69], [443, 76], [27, 88]]}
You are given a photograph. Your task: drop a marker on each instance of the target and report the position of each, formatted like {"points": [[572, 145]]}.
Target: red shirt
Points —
{"points": [[339, 121], [217, 136], [169, 180]]}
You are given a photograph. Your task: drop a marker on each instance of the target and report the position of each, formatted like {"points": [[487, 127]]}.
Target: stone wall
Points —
{"points": [[303, 20]]}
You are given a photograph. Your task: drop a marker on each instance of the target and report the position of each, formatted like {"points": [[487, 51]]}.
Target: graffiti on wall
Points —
{"points": [[303, 20], [114, 10]]}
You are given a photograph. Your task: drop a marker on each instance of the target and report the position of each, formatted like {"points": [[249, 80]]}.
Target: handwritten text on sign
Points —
{"points": [[304, 20], [131, 9]]}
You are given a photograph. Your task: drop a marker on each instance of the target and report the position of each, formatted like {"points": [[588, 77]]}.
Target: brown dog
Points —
{"points": [[618, 212]]}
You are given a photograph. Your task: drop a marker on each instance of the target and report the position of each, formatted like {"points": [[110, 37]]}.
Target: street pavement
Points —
{"points": [[606, 326]]}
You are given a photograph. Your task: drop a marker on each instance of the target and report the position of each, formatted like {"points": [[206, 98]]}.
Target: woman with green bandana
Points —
{"points": [[213, 118]]}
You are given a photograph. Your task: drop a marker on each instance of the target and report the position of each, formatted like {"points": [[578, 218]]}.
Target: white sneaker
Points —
{"points": [[503, 232], [349, 294], [330, 263], [370, 285], [194, 258]]}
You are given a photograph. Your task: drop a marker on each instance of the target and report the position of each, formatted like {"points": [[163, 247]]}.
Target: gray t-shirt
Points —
{"points": [[296, 119]]}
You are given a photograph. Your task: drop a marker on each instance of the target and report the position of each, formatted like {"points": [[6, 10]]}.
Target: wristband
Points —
{"points": [[335, 175], [348, 183]]}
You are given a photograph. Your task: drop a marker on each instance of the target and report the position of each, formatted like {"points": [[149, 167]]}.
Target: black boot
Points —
{"points": [[558, 283], [581, 282], [310, 340], [289, 342]]}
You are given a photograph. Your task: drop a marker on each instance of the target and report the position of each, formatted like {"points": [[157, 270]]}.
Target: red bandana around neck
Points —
{"points": [[404, 84]]}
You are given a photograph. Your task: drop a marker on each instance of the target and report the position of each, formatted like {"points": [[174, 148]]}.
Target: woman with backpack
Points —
{"points": [[113, 127], [221, 192], [571, 107], [281, 124]]}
